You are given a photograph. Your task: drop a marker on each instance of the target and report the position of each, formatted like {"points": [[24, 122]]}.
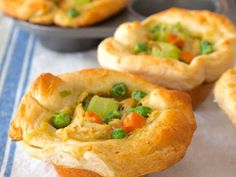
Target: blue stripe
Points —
{"points": [[13, 144], [7, 98], [9, 41]]}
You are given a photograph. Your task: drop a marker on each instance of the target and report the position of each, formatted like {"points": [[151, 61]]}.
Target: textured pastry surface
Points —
{"points": [[67, 172], [47, 12], [117, 52], [225, 94], [158, 145]]}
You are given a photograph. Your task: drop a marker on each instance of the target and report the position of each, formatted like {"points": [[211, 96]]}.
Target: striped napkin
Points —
{"points": [[22, 58]]}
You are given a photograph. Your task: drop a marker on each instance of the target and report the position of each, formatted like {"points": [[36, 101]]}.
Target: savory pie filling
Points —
{"points": [[114, 115], [174, 42]]}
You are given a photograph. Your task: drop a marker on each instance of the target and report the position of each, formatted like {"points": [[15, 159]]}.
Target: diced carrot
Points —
{"points": [[174, 39], [94, 118], [186, 56], [133, 121]]}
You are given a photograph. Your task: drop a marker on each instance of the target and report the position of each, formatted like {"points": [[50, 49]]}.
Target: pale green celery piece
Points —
{"points": [[102, 106], [82, 2], [166, 50]]}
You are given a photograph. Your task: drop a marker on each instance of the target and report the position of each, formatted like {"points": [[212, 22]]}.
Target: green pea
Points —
{"points": [[138, 95], [73, 13], [112, 115], [206, 47], [65, 93], [61, 120], [130, 110], [143, 110], [140, 48], [119, 90], [118, 134]]}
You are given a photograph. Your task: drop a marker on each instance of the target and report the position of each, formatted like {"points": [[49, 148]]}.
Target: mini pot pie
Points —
{"points": [[100, 122], [66, 13], [225, 94], [177, 48]]}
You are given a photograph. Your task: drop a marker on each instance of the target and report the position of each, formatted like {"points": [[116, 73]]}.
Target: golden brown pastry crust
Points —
{"points": [[155, 147], [117, 52], [55, 12], [225, 94], [72, 172]]}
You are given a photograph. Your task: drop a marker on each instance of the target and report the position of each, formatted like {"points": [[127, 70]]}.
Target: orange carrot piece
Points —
{"points": [[174, 39], [133, 121], [94, 118], [186, 56]]}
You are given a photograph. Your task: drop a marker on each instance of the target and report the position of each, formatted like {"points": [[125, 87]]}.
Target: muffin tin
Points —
{"points": [[80, 39]]}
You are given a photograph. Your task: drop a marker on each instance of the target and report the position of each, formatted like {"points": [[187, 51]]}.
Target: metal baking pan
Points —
{"points": [[79, 39]]}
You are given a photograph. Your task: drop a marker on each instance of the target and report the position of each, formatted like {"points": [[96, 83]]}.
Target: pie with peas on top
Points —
{"points": [[65, 13], [177, 48], [101, 122]]}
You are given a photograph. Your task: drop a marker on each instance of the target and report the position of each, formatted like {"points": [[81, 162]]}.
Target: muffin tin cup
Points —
{"points": [[79, 39]]}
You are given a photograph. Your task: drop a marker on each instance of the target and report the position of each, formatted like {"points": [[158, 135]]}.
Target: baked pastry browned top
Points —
{"points": [[176, 48], [225, 94], [112, 123], [66, 13]]}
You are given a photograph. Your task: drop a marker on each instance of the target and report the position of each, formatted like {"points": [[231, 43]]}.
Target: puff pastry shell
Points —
{"points": [[155, 147], [225, 94], [55, 11], [117, 52]]}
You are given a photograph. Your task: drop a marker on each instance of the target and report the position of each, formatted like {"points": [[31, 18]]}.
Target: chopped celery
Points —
{"points": [[166, 50], [102, 106]]}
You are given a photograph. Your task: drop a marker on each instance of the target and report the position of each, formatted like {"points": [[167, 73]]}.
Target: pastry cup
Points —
{"points": [[155, 147], [117, 52], [55, 12], [200, 93], [225, 94], [70, 172]]}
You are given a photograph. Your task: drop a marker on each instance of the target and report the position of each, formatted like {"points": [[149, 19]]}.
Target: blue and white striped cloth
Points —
{"points": [[22, 58]]}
